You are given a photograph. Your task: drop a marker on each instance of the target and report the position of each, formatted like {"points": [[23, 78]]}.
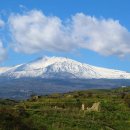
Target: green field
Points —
{"points": [[65, 112]]}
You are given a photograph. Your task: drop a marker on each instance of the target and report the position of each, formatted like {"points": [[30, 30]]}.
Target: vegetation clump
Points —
{"points": [[80, 110]]}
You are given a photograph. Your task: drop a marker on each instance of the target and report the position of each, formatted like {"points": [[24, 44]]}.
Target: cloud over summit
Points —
{"points": [[2, 49], [33, 31], [1, 23], [2, 52], [105, 36]]}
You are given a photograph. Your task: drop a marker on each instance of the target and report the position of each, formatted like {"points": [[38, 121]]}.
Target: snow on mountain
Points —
{"points": [[4, 69], [59, 67]]}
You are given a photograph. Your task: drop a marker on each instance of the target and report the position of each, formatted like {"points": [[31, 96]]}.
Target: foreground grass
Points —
{"points": [[63, 111]]}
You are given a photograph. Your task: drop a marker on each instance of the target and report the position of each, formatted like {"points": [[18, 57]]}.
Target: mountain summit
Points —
{"points": [[60, 67]]}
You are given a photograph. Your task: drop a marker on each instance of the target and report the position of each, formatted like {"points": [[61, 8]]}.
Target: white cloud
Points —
{"points": [[2, 52], [2, 23], [107, 37], [2, 49], [33, 32]]}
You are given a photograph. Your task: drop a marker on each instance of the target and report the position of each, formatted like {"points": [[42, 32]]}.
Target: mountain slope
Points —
{"points": [[4, 69], [59, 67]]}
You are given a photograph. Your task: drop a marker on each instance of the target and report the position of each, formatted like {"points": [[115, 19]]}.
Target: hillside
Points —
{"points": [[4, 69], [47, 75], [69, 111]]}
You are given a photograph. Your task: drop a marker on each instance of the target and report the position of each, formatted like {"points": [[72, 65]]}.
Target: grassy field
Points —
{"points": [[65, 111]]}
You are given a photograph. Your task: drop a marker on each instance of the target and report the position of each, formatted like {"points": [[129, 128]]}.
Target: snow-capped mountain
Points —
{"points": [[59, 67], [4, 69]]}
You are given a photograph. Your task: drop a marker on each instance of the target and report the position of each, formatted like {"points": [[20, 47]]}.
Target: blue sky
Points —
{"points": [[101, 10]]}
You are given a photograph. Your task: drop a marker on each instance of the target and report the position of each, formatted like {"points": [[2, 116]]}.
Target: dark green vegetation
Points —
{"points": [[63, 111]]}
